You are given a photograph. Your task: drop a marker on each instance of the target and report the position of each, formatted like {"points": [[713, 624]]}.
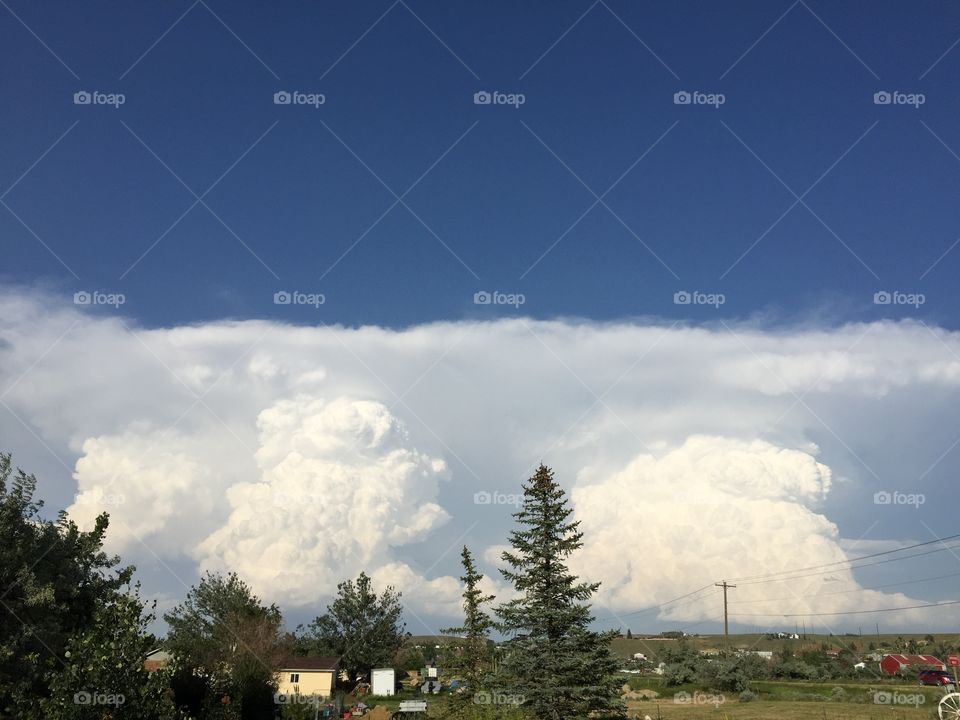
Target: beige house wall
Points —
{"points": [[311, 682]]}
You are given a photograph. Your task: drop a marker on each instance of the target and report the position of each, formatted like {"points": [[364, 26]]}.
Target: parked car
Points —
{"points": [[935, 677]]}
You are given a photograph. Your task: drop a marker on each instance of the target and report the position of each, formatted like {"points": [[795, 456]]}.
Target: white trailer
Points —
{"points": [[383, 681]]}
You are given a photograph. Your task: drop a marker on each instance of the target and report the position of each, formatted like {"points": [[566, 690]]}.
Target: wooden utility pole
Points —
{"points": [[726, 625]]}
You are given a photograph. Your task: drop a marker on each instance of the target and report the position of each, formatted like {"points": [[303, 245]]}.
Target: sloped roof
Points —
{"points": [[328, 664], [916, 659]]}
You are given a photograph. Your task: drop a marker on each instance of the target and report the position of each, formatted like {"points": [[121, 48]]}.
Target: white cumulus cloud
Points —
{"points": [[339, 487], [299, 456]]}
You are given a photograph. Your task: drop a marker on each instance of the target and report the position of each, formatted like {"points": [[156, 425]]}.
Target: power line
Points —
{"points": [[842, 592], [853, 567], [849, 612], [772, 577], [850, 560], [668, 602]]}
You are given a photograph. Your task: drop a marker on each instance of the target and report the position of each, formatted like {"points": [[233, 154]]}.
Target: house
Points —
{"points": [[894, 664], [307, 676], [156, 659]]}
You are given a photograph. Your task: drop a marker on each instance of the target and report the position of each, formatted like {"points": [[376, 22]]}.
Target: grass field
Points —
{"points": [[777, 710], [756, 710], [763, 709]]}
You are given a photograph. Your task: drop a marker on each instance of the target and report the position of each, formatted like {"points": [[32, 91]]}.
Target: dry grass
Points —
{"points": [[777, 710]]}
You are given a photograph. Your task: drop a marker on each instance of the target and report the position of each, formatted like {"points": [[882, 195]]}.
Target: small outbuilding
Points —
{"points": [[308, 676], [383, 681]]}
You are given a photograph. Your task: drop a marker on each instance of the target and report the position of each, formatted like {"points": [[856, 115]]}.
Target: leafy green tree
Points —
{"points": [[474, 657], [733, 673], [360, 627], [54, 581], [682, 664], [561, 667], [103, 673], [223, 634]]}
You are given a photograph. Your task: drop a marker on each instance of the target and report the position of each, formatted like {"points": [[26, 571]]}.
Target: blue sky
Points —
{"points": [[598, 79], [676, 278]]}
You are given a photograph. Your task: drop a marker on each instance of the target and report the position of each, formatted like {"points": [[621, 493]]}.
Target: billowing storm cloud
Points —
{"points": [[298, 456]]}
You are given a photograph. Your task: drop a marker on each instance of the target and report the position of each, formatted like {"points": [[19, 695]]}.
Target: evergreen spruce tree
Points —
{"points": [[562, 668], [473, 662]]}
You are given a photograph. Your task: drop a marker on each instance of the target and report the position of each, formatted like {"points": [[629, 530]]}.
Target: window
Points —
{"points": [[294, 677]]}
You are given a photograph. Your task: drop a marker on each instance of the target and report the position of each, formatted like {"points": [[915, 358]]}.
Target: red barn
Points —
{"points": [[894, 664]]}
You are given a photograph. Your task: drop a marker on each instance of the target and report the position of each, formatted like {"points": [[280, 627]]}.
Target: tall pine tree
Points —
{"points": [[562, 668], [474, 659]]}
